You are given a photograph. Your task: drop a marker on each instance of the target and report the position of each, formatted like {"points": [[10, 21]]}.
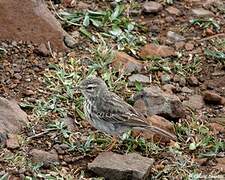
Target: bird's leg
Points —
{"points": [[112, 144]]}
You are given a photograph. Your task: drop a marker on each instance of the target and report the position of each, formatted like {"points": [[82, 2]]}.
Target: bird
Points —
{"points": [[109, 113]]}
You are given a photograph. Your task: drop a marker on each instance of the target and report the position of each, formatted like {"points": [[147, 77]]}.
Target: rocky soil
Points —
{"points": [[166, 58]]}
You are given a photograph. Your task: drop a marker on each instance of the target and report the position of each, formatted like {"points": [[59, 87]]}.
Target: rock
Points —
{"points": [[61, 148], [12, 142], [169, 88], [38, 24], [189, 46], [18, 76], [187, 90], [114, 166], [220, 166], [138, 78], [165, 78], [193, 81], [174, 37], [217, 128], [154, 29], [159, 122], [152, 7], [179, 45], [213, 98], [47, 158], [200, 12], [174, 11], [194, 102], [12, 118], [28, 92], [125, 63], [70, 42], [153, 101], [70, 123], [151, 50], [180, 80], [42, 50], [169, 19]]}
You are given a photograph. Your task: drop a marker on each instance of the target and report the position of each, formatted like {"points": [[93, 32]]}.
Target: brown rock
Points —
{"points": [[70, 123], [125, 63], [12, 118], [193, 81], [194, 102], [212, 97], [174, 11], [42, 50], [12, 142], [200, 12], [150, 50], [179, 45], [189, 46], [217, 128], [159, 122], [47, 158], [37, 24], [220, 165], [152, 7], [119, 167], [28, 92], [168, 88]]}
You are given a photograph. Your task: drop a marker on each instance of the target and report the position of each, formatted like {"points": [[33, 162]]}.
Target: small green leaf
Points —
{"points": [[86, 21], [116, 31], [96, 23], [117, 12], [138, 86], [192, 146], [88, 34], [130, 27]]}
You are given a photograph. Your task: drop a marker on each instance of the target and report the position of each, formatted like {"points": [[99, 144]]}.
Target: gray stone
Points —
{"points": [[47, 158], [152, 7], [156, 102], [194, 102], [139, 78], [200, 12], [187, 90], [174, 37], [12, 142], [174, 11], [114, 166], [165, 78]]}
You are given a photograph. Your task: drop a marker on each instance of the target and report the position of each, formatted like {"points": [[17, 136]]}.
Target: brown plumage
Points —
{"points": [[109, 113]]}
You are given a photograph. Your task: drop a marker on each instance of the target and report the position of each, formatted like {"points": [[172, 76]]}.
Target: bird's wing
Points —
{"points": [[117, 111], [113, 108]]}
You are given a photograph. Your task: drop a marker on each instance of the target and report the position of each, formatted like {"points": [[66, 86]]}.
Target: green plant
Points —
{"points": [[206, 23], [215, 54], [111, 23], [169, 1]]}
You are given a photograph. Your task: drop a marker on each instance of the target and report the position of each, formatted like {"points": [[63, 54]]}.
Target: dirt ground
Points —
{"points": [[44, 87]]}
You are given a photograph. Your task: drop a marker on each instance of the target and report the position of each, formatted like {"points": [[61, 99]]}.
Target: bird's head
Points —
{"points": [[92, 87]]}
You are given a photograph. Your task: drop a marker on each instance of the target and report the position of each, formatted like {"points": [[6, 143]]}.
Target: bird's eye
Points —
{"points": [[90, 88]]}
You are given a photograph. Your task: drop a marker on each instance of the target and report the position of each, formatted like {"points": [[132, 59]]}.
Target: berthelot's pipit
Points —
{"points": [[109, 113]]}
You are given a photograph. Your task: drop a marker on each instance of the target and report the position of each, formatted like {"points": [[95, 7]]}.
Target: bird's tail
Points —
{"points": [[162, 132]]}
